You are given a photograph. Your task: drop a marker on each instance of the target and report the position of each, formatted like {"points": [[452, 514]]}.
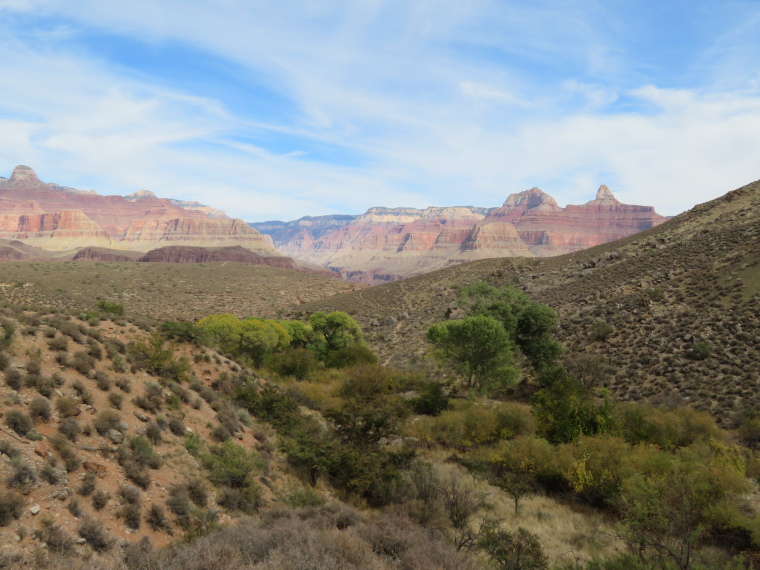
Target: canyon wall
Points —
{"points": [[386, 244]]}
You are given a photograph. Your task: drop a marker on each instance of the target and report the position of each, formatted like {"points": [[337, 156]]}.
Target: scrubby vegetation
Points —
{"points": [[243, 440]]}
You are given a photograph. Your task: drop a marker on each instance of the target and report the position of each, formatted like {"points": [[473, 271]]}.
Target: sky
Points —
{"points": [[276, 110]]}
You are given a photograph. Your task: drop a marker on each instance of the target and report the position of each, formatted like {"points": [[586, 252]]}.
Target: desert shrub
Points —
{"points": [[102, 380], [601, 330], [66, 452], [70, 428], [124, 384], [9, 449], [49, 474], [58, 379], [247, 500], [114, 346], [567, 410], [100, 500], [152, 354], [181, 392], [156, 518], [475, 426], [220, 434], [178, 503], [84, 394], [193, 444], [54, 537], [59, 343], [137, 473], [129, 495], [111, 307], [107, 420], [88, 484], [666, 429], [34, 366], [230, 465], [74, 508], [197, 491], [93, 531], [11, 507], [177, 426], [227, 416], [68, 328], [131, 514], [520, 550], [18, 422], [181, 330], [67, 407], [177, 369], [299, 496], [7, 330], [135, 458], [44, 385], [82, 362], [433, 399], [142, 452], [354, 354], [153, 432], [39, 408], [701, 350], [115, 400], [22, 474], [14, 379], [152, 400]]}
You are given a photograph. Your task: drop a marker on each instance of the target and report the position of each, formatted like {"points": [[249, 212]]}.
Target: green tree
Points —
{"points": [[222, 331], [529, 325], [478, 348], [334, 331], [533, 335]]}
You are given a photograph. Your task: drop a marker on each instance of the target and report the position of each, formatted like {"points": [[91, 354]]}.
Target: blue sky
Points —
{"points": [[275, 110]]}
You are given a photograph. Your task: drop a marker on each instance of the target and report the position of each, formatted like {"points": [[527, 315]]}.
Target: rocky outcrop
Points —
{"points": [[145, 234], [104, 254], [54, 231], [548, 229], [184, 204], [57, 218], [385, 244], [238, 254]]}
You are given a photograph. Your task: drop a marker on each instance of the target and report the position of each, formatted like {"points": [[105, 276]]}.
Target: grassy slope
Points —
{"points": [[165, 290]]}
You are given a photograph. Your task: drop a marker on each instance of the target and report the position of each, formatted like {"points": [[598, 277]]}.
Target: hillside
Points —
{"points": [[167, 290], [681, 300]]}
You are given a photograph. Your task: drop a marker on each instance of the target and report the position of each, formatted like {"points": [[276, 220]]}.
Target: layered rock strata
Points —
{"points": [[386, 244], [57, 218]]}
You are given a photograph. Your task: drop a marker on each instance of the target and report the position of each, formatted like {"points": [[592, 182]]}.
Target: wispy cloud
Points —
{"points": [[342, 105]]}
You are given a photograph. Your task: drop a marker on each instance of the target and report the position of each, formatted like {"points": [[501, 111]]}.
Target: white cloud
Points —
{"points": [[394, 84]]}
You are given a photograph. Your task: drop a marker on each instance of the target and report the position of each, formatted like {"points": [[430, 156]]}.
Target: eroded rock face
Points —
{"points": [[103, 254], [146, 233], [57, 218], [54, 231], [386, 244]]}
